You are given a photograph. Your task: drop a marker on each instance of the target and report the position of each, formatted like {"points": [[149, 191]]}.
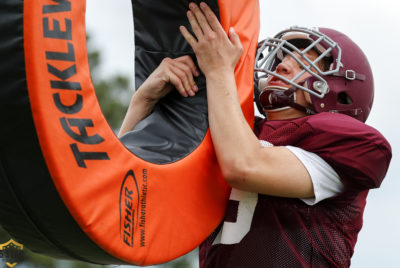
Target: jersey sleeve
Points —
{"points": [[325, 180], [357, 152]]}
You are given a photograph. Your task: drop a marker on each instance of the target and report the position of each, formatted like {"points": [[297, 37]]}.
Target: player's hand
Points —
{"points": [[170, 73], [178, 73], [215, 51]]}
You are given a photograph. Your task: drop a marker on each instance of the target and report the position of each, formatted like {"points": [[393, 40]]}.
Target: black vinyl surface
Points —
{"points": [[177, 125]]}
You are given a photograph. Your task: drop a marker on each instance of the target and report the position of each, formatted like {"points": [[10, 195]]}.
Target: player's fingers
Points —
{"points": [[235, 39], [198, 32], [184, 72], [180, 80], [177, 83], [200, 18], [189, 62], [188, 80], [188, 37], [211, 18]]}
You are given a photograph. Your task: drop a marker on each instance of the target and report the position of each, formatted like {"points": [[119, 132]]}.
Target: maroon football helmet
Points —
{"points": [[345, 84]]}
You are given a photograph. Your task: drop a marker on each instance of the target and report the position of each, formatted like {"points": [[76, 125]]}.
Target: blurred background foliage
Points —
{"points": [[113, 94]]}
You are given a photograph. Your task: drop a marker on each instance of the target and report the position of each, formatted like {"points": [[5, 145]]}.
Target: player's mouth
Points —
{"points": [[277, 83]]}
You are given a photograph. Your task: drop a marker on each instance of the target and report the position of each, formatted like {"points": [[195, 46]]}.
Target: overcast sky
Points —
{"points": [[372, 24]]}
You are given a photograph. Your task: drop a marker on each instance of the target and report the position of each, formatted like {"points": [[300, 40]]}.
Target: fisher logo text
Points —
{"points": [[128, 208]]}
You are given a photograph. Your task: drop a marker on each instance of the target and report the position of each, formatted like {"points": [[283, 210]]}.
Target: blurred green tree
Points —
{"points": [[112, 92]]}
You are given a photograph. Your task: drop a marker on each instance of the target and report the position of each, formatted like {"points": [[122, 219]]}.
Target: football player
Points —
{"points": [[300, 182]]}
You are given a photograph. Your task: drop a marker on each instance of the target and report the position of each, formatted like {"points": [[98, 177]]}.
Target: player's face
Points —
{"points": [[289, 68]]}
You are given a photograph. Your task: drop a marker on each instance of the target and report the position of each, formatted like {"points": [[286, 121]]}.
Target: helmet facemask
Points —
{"points": [[300, 41]]}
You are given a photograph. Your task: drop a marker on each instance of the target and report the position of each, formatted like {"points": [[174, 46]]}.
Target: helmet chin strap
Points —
{"points": [[279, 100]]}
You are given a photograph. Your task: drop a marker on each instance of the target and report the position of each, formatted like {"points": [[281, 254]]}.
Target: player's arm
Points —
{"points": [[170, 73], [245, 164]]}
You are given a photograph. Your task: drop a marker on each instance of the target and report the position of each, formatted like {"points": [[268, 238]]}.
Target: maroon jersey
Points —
{"points": [[285, 232]]}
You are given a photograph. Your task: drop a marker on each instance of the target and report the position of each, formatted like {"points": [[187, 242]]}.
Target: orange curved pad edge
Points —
{"points": [[139, 212]]}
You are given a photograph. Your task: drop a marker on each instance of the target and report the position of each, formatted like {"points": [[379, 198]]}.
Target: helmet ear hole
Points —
{"points": [[328, 63], [343, 98]]}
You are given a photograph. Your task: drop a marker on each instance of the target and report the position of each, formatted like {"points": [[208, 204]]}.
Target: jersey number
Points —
{"points": [[236, 225]]}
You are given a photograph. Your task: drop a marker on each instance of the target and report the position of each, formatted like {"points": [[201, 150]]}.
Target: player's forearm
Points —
{"points": [[233, 139], [138, 109], [244, 163]]}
